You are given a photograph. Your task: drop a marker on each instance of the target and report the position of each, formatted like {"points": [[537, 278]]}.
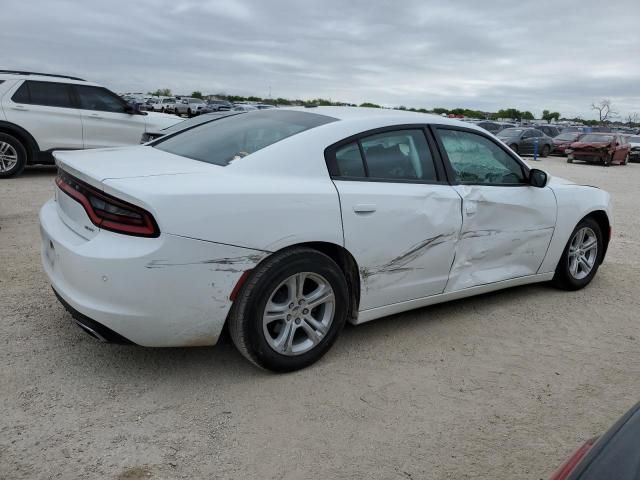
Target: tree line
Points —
{"points": [[606, 113]]}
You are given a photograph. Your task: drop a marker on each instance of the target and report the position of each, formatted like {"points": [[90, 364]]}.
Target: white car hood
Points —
{"points": [[95, 166], [157, 121]]}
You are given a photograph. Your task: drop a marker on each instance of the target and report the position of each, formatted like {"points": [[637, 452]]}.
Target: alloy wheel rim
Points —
{"points": [[583, 251], [8, 157], [298, 314]]}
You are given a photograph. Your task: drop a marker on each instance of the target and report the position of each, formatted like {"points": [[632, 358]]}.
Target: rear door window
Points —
{"points": [[48, 94]]}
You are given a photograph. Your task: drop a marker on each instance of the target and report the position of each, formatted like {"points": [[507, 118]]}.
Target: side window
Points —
{"points": [[48, 94], [22, 94], [97, 98], [399, 155], [349, 161], [476, 159], [529, 134]]}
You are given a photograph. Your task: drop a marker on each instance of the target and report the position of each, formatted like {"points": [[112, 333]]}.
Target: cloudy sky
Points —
{"points": [[484, 54]]}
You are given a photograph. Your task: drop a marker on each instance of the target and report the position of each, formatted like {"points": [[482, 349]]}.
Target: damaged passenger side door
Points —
{"points": [[507, 223], [400, 217]]}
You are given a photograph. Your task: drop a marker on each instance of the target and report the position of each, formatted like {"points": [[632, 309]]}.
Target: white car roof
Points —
{"points": [[383, 116], [45, 78]]}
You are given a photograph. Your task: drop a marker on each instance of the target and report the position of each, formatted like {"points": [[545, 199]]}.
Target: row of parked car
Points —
{"points": [[191, 106], [606, 148]]}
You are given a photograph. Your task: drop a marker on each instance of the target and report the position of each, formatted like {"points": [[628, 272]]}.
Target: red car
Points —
{"points": [[613, 456], [605, 148], [563, 141]]}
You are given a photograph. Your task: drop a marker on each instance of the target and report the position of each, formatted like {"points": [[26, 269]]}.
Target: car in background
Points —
{"points": [[163, 104], [563, 141], [605, 148], [634, 152], [216, 106], [522, 140], [282, 225], [573, 128], [242, 107], [493, 127], [188, 106], [548, 130], [40, 113], [185, 125], [263, 106], [613, 455]]}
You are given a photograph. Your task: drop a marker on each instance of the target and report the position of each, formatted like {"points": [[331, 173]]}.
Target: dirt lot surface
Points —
{"points": [[504, 385]]}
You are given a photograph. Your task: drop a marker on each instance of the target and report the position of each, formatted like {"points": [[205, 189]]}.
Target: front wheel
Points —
{"points": [[290, 311], [626, 159], [581, 256]]}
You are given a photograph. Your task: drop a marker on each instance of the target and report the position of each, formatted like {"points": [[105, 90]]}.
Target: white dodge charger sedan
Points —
{"points": [[283, 224]]}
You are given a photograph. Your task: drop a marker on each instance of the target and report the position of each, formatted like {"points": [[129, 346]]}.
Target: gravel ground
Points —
{"points": [[504, 385]]}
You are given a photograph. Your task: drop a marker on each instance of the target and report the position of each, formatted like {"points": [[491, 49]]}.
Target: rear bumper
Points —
{"points": [[157, 292]]}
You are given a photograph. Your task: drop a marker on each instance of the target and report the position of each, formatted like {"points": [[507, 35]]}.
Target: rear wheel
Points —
{"points": [[290, 311], [189, 114], [13, 156], [177, 112], [569, 160], [626, 159], [581, 256], [545, 151]]}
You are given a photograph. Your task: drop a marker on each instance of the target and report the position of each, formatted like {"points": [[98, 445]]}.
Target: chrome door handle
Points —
{"points": [[95, 115], [364, 208], [19, 107]]}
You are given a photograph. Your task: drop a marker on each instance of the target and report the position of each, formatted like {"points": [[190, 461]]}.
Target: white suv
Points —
{"points": [[189, 105], [40, 113], [163, 104]]}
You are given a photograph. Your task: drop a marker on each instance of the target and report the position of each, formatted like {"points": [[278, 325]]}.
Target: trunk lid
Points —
{"points": [[95, 166]]}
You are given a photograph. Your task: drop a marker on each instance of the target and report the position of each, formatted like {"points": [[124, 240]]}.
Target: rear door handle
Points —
{"points": [[95, 115], [19, 107], [364, 208]]}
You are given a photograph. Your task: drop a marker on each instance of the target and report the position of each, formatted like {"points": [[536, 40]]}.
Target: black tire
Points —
{"points": [[245, 317], [21, 153], [607, 161], [189, 115], [569, 159], [545, 151], [514, 147], [563, 278], [626, 160], [176, 112]]}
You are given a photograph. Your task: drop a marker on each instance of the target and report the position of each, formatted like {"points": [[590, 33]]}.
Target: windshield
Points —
{"points": [[568, 136], [596, 138], [237, 136], [510, 132]]}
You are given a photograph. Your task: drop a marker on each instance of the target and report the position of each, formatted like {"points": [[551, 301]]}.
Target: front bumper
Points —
{"points": [[158, 292]]}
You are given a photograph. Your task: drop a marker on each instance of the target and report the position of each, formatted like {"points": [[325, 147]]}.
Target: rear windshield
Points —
{"points": [[237, 136], [596, 138], [195, 121]]}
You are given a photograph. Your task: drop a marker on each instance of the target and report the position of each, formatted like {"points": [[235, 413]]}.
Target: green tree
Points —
{"points": [[548, 116], [196, 94], [162, 92], [370, 105]]}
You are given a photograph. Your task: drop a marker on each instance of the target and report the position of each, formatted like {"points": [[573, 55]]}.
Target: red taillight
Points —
{"points": [[106, 211], [567, 467]]}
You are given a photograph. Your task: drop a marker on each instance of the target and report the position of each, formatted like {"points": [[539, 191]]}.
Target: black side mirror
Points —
{"points": [[538, 178], [133, 109]]}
